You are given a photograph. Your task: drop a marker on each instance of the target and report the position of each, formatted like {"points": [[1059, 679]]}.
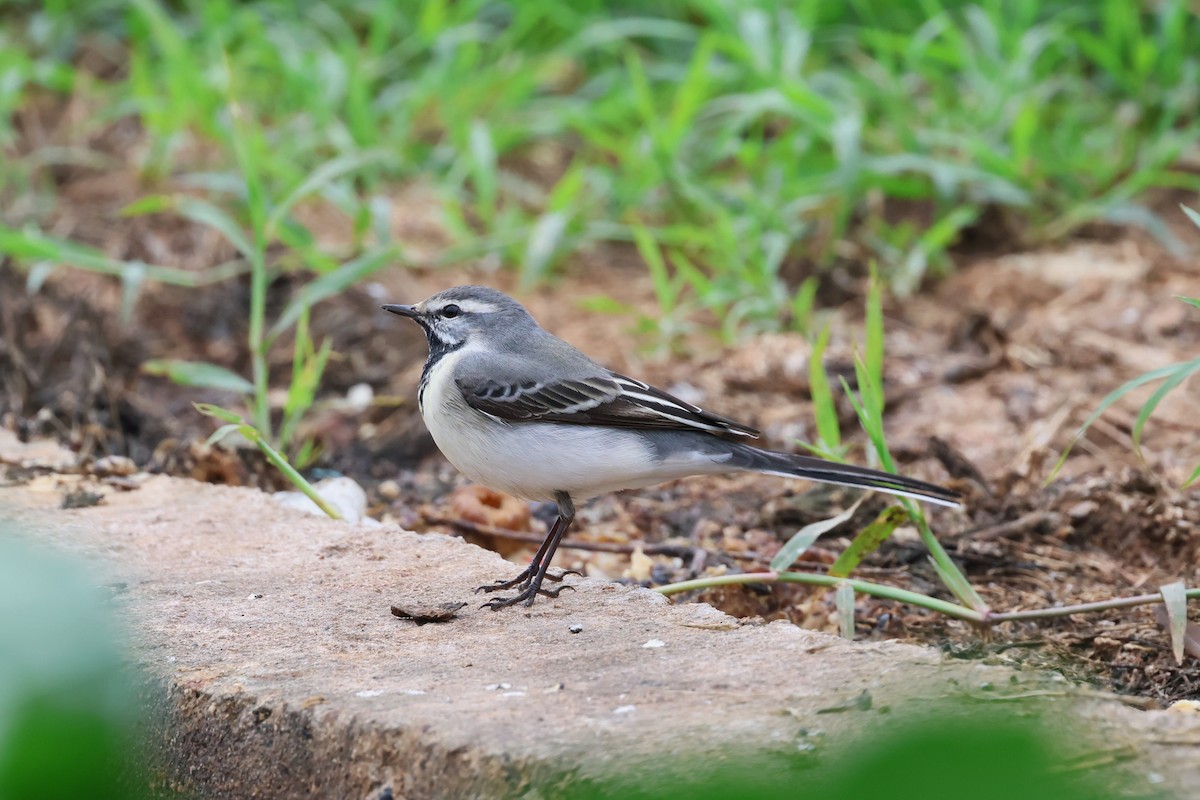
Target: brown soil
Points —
{"points": [[988, 375]]}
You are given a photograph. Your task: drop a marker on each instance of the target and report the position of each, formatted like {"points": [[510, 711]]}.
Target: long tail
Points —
{"points": [[818, 469]]}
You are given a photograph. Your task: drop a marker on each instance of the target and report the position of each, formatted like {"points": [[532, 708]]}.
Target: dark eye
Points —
{"points": [[451, 311]]}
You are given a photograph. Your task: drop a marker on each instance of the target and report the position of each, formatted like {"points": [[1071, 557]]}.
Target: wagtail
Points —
{"points": [[519, 410]]}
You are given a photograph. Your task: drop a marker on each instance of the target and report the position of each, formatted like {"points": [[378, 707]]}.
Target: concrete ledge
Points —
{"points": [[283, 673]]}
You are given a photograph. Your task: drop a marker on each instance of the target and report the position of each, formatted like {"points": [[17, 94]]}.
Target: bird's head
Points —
{"points": [[454, 317]]}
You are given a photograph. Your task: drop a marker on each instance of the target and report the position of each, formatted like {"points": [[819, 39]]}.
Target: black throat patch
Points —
{"points": [[438, 350]]}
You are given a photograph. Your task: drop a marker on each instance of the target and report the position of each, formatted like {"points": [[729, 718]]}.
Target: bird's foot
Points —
{"points": [[524, 579], [526, 595]]}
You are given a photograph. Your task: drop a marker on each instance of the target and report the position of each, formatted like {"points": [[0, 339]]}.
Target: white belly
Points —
{"points": [[535, 460]]}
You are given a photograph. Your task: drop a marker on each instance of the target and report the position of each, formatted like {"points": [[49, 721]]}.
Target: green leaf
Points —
{"points": [[1191, 301], [1174, 597], [221, 432], [868, 540], [802, 305], [334, 283], [198, 373], [206, 213], [872, 390], [803, 539], [824, 407], [1184, 372], [1192, 478], [319, 178], [648, 249], [1115, 395], [150, 204], [544, 242], [225, 415]]}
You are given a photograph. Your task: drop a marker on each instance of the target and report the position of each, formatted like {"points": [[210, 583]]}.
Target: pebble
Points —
{"points": [[114, 466], [343, 493]]}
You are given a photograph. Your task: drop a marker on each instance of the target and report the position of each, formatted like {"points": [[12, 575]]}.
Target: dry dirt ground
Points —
{"points": [[988, 374]]}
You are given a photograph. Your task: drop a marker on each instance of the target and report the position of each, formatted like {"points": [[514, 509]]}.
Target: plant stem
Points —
{"points": [[982, 618], [258, 358], [255, 202], [815, 579], [281, 463], [951, 575], [1081, 608]]}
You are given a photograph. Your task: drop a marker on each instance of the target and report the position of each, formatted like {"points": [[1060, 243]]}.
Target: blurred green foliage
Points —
{"points": [[752, 143], [69, 708], [945, 753]]}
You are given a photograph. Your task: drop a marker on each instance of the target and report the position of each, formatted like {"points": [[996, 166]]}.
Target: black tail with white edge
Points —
{"points": [[822, 471]]}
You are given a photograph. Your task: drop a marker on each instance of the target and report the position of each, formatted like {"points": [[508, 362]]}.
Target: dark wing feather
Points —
{"points": [[611, 400]]}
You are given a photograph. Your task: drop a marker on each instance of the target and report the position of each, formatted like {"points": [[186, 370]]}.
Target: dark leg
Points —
{"points": [[526, 576], [530, 581]]}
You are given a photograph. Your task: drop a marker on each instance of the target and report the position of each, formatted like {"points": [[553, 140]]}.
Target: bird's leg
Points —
{"points": [[526, 575], [530, 581]]}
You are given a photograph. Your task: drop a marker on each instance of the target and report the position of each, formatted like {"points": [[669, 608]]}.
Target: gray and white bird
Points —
{"points": [[519, 410]]}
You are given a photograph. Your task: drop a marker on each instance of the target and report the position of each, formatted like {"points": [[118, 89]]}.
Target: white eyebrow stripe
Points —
{"points": [[472, 306]]}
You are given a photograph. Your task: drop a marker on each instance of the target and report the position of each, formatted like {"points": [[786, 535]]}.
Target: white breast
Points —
{"points": [[535, 460]]}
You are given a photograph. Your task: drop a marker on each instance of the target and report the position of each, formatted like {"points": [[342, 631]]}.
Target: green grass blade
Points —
{"points": [[804, 538], [198, 373], [545, 241], [868, 540], [824, 407], [321, 177], [1108, 401], [276, 458], [221, 432], [334, 283], [206, 213], [1193, 477], [1181, 374]]}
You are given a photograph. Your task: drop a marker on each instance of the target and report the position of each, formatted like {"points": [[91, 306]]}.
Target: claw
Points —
{"points": [[527, 595], [522, 580], [556, 578], [497, 603]]}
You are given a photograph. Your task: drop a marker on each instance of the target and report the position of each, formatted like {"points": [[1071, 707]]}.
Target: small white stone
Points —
{"points": [[655, 643], [414, 691], [360, 397], [517, 693], [624, 709], [1155, 777], [369, 693], [344, 494], [491, 687]]}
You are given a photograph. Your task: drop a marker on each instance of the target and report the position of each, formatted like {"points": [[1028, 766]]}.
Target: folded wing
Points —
{"points": [[608, 399]]}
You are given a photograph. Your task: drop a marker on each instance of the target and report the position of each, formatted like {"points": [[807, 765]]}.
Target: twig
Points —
{"points": [[1013, 528]]}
